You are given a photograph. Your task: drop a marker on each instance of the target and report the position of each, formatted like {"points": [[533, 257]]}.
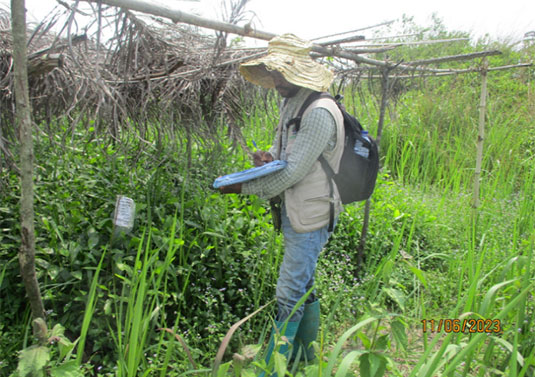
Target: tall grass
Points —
{"points": [[429, 254], [427, 246], [431, 147], [89, 310], [475, 263]]}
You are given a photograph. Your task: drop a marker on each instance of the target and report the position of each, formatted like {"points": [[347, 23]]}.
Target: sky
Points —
{"points": [[311, 18]]}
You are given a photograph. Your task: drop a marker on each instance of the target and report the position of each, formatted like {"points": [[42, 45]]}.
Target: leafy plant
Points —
{"points": [[51, 356], [197, 262]]}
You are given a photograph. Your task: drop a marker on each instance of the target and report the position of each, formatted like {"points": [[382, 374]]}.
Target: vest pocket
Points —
{"points": [[315, 210]]}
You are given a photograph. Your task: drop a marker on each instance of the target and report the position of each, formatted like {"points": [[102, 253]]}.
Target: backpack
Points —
{"points": [[357, 174]]}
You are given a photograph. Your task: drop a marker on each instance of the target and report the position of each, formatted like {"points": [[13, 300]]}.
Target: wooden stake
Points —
{"points": [[481, 135], [24, 121], [367, 206]]}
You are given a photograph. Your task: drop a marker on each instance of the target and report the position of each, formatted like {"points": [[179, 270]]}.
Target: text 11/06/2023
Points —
{"points": [[449, 325]]}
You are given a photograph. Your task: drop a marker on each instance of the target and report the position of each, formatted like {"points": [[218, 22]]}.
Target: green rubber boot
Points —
{"points": [[289, 334], [307, 332]]}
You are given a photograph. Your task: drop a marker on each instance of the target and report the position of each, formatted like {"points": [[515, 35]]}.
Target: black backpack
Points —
{"points": [[357, 174]]}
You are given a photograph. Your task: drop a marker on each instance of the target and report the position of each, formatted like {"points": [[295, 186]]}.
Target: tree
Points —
{"points": [[23, 120]]}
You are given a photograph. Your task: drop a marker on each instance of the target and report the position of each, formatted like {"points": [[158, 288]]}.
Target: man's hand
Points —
{"points": [[231, 189], [261, 158]]}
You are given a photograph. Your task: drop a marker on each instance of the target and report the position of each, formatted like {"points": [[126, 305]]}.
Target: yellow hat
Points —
{"points": [[290, 56]]}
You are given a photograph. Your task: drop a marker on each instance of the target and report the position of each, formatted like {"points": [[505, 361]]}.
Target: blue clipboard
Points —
{"points": [[249, 174]]}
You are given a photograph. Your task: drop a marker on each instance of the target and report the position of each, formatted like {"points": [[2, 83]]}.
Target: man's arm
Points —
{"points": [[317, 129]]}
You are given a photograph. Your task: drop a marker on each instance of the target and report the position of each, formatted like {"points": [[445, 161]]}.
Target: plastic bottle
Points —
{"points": [[360, 148], [123, 216]]}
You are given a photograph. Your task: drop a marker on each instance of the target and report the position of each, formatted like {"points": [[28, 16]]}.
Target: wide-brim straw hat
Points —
{"points": [[290, 56]]}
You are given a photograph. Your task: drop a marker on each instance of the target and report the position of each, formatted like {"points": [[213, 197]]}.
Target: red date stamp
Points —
{"points": [[449, 325]]}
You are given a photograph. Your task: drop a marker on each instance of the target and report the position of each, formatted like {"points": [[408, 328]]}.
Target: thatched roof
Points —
{"points": [[148, 72]]}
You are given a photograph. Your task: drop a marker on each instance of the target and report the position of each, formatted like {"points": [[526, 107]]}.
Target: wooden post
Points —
{"points": [[481, 135], [175, 15], [24, 122], [366, 221]]}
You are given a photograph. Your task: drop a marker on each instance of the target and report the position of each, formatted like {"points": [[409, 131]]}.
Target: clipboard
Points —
{"points": [[250, 174]]}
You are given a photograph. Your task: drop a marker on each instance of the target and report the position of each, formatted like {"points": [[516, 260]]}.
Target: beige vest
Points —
{"points": [[307, 202]]}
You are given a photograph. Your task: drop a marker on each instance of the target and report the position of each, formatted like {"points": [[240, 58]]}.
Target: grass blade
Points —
{"points": [[228, 336], [336, 351], [479, 337], [343, 369], [89, 310]]}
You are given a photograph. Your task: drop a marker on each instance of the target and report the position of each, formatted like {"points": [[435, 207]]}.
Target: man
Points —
{"points": [[302, 186]]}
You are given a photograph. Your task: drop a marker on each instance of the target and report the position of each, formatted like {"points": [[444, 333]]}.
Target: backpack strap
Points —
{"points": [[324, 164], [308, 101], [330, 177]]}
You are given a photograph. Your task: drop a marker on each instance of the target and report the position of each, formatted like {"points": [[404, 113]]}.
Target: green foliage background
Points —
{"points": [[427, 256]]}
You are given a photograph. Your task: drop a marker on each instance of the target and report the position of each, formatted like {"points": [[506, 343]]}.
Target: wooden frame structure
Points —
{"points": [[387, 69]]}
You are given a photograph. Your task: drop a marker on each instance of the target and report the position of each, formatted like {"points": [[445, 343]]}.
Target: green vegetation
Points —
{"points": [[159, 301]]}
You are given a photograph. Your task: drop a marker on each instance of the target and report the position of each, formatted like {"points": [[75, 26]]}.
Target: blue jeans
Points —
{"points": [[296, 275]]}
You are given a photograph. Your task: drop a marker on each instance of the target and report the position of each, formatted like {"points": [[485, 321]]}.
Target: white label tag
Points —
{"points": [[125, 209]]}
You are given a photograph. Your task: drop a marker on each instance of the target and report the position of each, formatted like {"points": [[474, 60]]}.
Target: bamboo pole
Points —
{"points": [[481, 135], [448, 73], [371, 50], [176, 16], [450, 58], [343, 40], [24, 120], [374, 64], [354, 31], [367, 206], [415, 43], [397, 36], [503, 68]]}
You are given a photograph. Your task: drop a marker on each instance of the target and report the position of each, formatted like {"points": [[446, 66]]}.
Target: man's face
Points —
{"points": [[284, 88]]}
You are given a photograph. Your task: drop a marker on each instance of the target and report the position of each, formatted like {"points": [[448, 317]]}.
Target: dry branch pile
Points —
{"points": [[145, 71]]}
